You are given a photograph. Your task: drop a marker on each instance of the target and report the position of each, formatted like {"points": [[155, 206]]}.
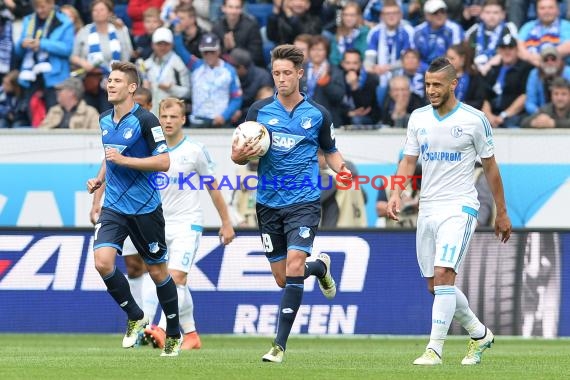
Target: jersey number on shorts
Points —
{"points": [[267, 244], [451, 253], [97, 227]]}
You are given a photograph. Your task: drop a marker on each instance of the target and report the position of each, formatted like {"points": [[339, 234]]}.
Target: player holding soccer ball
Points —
{"points": [[288, 210], [447, 136]]}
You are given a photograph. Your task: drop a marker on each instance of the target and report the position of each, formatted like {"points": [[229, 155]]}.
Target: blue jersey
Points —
{"points": [[289, 172], [137, 134]]}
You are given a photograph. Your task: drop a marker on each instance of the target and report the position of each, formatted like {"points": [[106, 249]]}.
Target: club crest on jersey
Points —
{"points": [[456, 131], [306, 122], [153, 247], [128, 133], [304, 232]]}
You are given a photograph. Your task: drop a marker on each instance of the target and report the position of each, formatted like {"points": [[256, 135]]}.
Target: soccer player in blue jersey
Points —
{"points": [[288, 197], [447, 136], [135, 147]]}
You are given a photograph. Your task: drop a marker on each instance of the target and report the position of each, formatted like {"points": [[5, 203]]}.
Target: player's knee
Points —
{"points": [[104, 267], [134, 265]]}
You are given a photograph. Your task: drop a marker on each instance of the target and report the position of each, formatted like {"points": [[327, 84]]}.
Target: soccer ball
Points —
{"points": [[256, 133]]}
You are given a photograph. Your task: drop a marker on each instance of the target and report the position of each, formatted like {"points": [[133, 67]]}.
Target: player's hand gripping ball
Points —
{"points": [[255, 134]]}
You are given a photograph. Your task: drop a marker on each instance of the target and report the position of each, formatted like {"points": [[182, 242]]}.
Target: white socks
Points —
{"points": [[149, 297], [466, 317], [185, 310], [442, 314], [136, 289]]}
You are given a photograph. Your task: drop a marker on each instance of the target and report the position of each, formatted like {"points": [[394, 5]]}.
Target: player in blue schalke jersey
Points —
{"points": [[135, 148], [288, 194]]}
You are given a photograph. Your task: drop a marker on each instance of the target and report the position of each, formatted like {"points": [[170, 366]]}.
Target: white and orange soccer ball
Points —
{"points": [[255, 134]]}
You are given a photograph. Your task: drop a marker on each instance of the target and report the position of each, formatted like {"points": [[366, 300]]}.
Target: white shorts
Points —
{"points": [[443, 238], [182, 241], [129, 248]]}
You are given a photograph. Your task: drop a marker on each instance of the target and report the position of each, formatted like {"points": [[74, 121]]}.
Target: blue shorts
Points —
{"points": [[292, 227], [146, 232]]}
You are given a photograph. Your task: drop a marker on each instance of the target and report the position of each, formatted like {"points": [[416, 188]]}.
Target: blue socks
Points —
{"points": [[118, 288], [290, 302], [168, 298], [316, 268]]}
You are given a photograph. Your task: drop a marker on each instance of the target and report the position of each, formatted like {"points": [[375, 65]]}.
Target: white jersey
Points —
{"points": [[190, 168], [447, 149]]}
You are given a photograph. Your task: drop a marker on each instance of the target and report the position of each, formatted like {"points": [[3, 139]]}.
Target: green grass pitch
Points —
{"points": [[50, 356]]}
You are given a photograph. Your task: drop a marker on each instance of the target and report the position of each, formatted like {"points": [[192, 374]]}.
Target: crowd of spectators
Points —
{"points": [[365, 59]]}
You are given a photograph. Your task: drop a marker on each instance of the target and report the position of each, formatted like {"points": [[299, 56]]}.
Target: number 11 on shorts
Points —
{"points": [[451, 251]]}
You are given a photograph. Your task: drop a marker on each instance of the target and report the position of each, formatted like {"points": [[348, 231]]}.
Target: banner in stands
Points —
{"points": [[48, 284]]}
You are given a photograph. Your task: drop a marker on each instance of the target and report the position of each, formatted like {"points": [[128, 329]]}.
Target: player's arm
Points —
{"points": [[95, 183], [96, 205], [406, 170], [157, 163], [227, 232], [502, 222]]}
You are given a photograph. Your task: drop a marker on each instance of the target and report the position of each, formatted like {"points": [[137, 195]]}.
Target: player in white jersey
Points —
{"points": [[179, 187], [447, 136]]}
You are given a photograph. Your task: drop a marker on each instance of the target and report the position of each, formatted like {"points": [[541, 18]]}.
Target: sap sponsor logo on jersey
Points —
{"points": [[64, 262], [312, 319], [284, 142], [438, 156]]}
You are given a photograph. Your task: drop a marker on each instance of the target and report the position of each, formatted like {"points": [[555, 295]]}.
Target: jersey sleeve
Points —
{"points": [[412, 146], [204, 163], [153, 135], [327, 140], [483, 138]]}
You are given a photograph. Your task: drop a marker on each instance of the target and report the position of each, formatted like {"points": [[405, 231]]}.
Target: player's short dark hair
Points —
{"points": [[128, 68], [442, 64], [290, 53]]}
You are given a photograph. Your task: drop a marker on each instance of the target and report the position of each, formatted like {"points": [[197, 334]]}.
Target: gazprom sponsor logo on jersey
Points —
{"points": [[284, 142], [439, 156]]}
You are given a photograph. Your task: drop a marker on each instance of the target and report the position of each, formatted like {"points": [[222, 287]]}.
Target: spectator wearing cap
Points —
{"points": [[547, 30], [71, 111], [434, 36], [506, 86], [216, 89], [251, 77], [485, 35], [555, 114], [539, 79], [166, 74], [239, 30]]}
